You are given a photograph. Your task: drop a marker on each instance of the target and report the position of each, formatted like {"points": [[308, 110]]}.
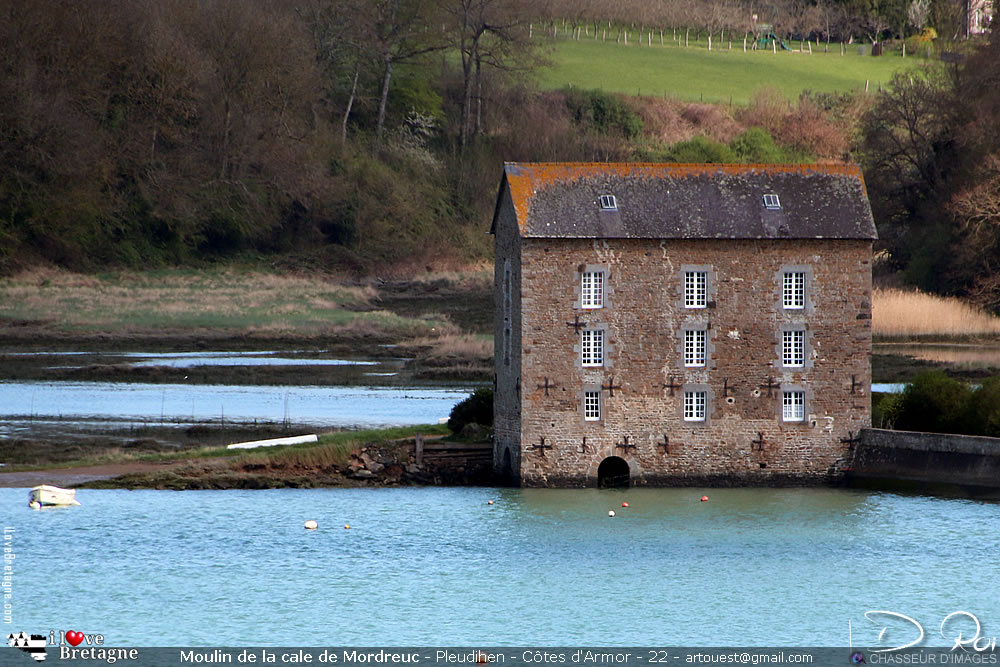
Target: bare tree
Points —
{"points": [[486, 32], [401, 31]]}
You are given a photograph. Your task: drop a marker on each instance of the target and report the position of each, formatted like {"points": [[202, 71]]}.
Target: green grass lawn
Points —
{"points": [[720, 75]]}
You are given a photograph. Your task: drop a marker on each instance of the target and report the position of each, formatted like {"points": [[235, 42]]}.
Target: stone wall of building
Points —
{"points": [[507, 326], [744, 438]]}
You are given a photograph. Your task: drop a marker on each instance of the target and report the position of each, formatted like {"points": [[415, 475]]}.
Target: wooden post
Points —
{"points": [[420, 448]]}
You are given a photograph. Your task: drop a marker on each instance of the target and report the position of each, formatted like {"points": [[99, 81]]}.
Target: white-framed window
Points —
{"points": [[609, 203], [695, 289], [793, 406], [694, 406], [771, 202], [592, 406], [592, 347], [592, 289], [793, 290], [694, 347], [793, 348]]}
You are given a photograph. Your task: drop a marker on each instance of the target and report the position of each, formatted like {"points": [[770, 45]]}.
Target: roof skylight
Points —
{"points": [[609, 203], [771, 202]]}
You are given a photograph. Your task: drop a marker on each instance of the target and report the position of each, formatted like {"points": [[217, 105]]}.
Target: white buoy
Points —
{"points": [[311, 525], [611, 512]]}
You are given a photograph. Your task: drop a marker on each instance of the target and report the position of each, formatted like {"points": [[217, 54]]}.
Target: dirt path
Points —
{"points": [[70, 477]]}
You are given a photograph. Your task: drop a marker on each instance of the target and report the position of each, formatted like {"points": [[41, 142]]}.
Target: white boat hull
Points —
{"points": [[49, 496]]}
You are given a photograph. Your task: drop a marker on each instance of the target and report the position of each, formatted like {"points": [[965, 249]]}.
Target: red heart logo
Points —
{"points": [[74, 637]]}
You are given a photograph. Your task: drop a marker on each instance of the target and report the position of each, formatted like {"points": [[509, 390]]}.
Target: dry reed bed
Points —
{"points": [[911, 314], [250, 301]]}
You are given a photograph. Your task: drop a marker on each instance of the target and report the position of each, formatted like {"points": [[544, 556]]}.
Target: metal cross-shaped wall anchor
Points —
{"points": [[547, 386], [583, 446], [771, 384], [725, 387], [665, 444], [851, 439], [541, 447], [671, 386], [854, 383], [611, 386], [625, 444], [759, 442], [576, 323]]}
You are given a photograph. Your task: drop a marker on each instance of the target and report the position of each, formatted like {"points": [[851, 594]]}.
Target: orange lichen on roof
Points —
{"points": [[527, 178]]}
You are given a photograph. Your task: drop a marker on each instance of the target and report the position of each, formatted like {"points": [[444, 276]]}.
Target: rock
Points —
{"points": [[374, 466], [413, 469], [363, 474]]}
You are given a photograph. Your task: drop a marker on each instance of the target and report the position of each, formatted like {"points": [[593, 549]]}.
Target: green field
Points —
{"points": [[720, 75]]}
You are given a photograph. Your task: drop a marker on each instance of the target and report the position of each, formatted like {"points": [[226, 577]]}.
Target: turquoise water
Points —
{"points": [[440, 566]]}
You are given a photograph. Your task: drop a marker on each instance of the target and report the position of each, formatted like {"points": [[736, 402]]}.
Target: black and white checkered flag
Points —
{"points": [[34, 645]]}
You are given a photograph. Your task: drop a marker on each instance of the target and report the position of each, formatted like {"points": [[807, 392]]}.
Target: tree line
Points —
{"points": [[822, 20], [156, 131], [930, 148], [366, 134]]}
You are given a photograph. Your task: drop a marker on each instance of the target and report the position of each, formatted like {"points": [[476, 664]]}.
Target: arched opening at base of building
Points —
{"points": [[613, 473], [506, 473]]}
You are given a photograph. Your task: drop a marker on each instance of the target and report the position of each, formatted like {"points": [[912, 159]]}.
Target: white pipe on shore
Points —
{"points": [[294, 440]]}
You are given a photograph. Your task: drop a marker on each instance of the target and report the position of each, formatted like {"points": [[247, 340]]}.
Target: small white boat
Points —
{"points": [[49, 496]]}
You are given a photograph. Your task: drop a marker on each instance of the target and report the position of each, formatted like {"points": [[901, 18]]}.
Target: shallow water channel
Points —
{"points": [[369, 396]]}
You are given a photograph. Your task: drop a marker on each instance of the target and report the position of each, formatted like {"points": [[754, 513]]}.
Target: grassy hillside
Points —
{"points": [[720, 75]]}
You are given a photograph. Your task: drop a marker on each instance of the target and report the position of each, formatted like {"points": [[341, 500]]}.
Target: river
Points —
{"points": [[441, 566]]}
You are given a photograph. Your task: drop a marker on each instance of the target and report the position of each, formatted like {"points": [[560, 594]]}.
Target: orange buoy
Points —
{"points": [[347, 526], [490, 503], [704, 499], [624, 504]]}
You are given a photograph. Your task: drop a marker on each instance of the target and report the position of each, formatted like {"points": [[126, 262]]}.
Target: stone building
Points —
{"points": [[671, 324]]}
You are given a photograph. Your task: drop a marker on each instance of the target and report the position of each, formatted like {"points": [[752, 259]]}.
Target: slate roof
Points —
{"points": [[688, 201]]}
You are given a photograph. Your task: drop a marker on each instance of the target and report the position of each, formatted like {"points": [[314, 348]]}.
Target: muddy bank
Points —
{"points": [[96, 444], [901, 368], [408, 357], [435, 462]]}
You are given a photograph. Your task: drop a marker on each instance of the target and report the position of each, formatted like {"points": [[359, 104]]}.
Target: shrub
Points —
{"points": [[604, 112], [700, 149], [936, 403], [757, 145], [885, 409], [476, 409], [984, 412]]}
